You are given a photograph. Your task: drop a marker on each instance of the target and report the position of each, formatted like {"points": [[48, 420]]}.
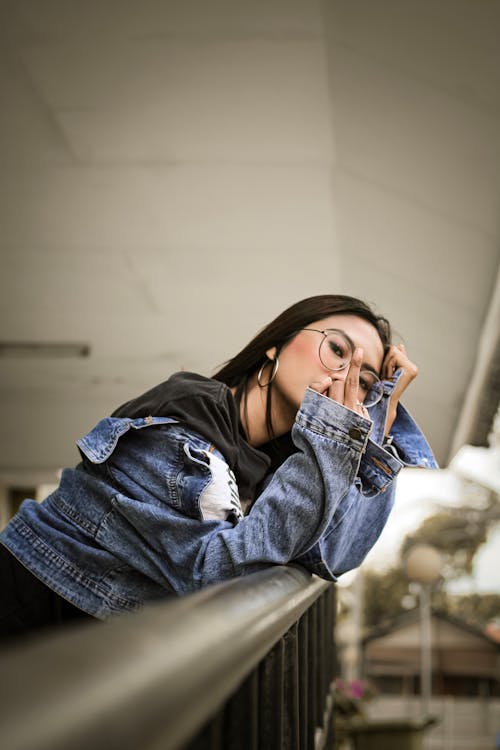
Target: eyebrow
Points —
{"points": [[366, 366]]}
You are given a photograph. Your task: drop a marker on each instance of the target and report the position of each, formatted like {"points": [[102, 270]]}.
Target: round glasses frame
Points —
{"points": [[377, 394]]}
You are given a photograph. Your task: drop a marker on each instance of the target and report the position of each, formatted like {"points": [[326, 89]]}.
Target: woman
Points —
{"points": [[288, 453]]}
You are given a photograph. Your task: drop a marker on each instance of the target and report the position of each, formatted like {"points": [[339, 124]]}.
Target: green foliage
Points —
{"points": [[457, 534], [384, 593], [476, 609]]}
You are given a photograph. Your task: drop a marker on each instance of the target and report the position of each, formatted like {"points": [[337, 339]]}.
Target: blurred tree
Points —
{"points": [[390, 594], [457, 534], [477, 609], [384, 595]]}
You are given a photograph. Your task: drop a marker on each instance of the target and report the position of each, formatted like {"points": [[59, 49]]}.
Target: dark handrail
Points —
{"points": [[152, 679]]}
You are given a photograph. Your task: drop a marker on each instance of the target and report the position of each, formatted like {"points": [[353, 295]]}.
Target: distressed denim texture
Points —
{"points": [[126, 526]]}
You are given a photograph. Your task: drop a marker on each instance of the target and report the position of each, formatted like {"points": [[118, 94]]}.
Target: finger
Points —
{"points": [[321, 386], [351, 388], [398, 352], [386, 370], [399, 360], [394, 359], [386, 365], [364, 411], [336, 391], [390, 366]]}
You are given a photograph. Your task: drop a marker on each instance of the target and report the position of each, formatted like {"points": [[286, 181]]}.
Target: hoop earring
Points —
{"points": [[276, 364]]}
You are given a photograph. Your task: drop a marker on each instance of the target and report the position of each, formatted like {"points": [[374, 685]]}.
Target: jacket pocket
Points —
{"points": [[98, 444], [208, 486]]}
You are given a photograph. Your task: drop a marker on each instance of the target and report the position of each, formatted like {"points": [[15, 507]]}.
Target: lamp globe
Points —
{"points": [[423, 564]]}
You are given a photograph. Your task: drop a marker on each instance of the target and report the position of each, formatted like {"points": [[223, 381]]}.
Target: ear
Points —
{"points": [[271, 353]]}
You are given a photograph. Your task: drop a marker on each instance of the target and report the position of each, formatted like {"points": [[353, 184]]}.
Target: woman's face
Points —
{"points": [[300, 365]]}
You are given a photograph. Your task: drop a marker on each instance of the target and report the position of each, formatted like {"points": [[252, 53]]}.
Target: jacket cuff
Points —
{"points": [[408, 442], [377, 469], [330, 419]]}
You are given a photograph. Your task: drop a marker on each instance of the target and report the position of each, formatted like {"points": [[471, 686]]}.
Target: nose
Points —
{"points": [[342, 375], [339, 374]]}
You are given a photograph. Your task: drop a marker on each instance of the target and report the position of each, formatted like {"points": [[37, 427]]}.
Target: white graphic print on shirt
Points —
{"points": [[220, 499]]}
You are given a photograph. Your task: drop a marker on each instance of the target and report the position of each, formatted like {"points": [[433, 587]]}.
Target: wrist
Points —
{"points": [[390, 419]]}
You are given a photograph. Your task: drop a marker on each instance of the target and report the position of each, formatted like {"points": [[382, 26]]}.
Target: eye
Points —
{"points": [[364, 385], [366, 381], [338, 345], [336, 348], [334, 351]]}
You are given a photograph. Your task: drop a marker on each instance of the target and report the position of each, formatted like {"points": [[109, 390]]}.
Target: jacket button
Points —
{"points": [[355, 433]]}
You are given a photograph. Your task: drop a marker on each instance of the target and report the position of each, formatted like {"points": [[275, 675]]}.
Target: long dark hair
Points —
{"points": [[238, 371]]}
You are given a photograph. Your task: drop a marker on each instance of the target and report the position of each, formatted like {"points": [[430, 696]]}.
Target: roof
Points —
{"points": [[412, 617]]}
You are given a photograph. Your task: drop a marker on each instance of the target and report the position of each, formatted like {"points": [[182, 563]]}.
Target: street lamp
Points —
{"points": [[423, 565]]}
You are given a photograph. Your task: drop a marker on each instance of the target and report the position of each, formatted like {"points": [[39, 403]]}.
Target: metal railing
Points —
{"points": [[247, 664]]}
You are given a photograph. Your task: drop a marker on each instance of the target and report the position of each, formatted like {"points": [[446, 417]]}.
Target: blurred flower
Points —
{"points": [[351, 695]]}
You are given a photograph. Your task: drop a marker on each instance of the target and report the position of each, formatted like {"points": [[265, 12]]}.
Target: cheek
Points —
{"points": [[303, 354]]}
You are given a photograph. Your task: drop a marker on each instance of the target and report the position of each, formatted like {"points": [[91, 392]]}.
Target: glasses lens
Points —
{"points": [[370, 388], [335, 351]]}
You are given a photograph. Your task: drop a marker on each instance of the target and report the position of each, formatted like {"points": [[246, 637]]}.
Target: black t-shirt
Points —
{"points": [[208, 408]]}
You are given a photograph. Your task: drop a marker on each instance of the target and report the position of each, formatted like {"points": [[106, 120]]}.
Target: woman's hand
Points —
{"points": [[396, 359], [346, 390]]}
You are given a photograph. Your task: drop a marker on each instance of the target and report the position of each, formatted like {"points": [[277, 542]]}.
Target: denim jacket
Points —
{"points": [[153, 509]]}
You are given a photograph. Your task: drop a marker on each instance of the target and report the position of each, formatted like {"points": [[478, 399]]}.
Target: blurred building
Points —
{"points": [[465, 660]]}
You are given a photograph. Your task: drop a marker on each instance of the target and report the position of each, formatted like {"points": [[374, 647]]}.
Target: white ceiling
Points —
{"points": [[173, 174]]}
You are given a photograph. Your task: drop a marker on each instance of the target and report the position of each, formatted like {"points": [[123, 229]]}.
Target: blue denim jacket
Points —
{"points": [[153, 509]]}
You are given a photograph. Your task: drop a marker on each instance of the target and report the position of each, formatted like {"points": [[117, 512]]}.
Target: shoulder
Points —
{"points": [[181, 387], [192, 385]]}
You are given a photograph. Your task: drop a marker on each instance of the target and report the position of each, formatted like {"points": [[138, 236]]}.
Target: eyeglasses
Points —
{"points": [[335, 353]]}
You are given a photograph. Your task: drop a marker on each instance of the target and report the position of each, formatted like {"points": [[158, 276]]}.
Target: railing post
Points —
{"points": [[241, 717], [291, 740], [303, 656], [322, 667], [312, 692], [271, 691]]}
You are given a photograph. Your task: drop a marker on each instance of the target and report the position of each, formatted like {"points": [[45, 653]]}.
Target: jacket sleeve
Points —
{"points": [[307, 496], [357, 526], [363, 512], [291, 515]]}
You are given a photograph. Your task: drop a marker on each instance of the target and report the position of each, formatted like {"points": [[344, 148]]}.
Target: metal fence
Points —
{"points": [[247, 664]]}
